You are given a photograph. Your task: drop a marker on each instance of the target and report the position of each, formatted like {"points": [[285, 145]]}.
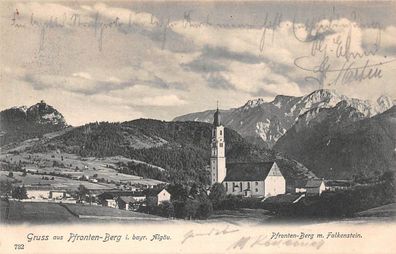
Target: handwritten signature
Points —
{"points": [[213, 232], [341, 61], [263, 241]]}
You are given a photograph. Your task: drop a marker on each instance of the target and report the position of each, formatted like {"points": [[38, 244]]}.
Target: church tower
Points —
{"points": [[217, 158]]}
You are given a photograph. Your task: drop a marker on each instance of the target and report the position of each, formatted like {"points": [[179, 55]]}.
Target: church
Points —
{"points": [[261, 179]]}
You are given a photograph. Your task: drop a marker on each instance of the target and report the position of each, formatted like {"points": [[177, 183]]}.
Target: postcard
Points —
{"points": [[197, 126]]}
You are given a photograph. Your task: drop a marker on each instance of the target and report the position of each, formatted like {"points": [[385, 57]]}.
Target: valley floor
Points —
{"points": [[16, 212]]}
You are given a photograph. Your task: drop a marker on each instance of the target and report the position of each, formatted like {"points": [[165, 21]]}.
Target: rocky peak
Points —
{"points": [[281, 101], [253, 103], [42, 113]]}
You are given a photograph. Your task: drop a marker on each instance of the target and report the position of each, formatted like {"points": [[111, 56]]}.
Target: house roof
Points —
{"points": [[113, 194], [154, 192], [127, 199], [300, 183], [256, 171], [314, 183]]}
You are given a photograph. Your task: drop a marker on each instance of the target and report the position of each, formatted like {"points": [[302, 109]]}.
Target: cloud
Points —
{"points": [[218, 81], [81, 83], [161, 101], [83, 75], [224, 53], [204, 65], [150, 69]]}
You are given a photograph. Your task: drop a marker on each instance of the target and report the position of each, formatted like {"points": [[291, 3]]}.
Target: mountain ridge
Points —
{"points": [[340, 142], [265, 122]]}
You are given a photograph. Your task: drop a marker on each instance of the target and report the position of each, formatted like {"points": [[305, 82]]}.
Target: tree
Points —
{"points": [[151, 204], [388, 176], [178, 192], [191, 207], [179, 209], [19, 193], [168, 209], [217, 194], [10, 174], [205, 209], [194, 190], [82, 192], [5, 187]]}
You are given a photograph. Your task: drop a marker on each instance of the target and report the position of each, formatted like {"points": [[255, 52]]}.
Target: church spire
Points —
{"points": [[216, 117]]}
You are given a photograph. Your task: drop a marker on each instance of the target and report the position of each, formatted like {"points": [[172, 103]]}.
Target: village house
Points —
{"points": [[299, 185], [45, 192], [57, 194], [110, 203], [315, 186], [38, 191], [129, 200], [247, 179], [122, 199], [129, 203], [158, 196]]}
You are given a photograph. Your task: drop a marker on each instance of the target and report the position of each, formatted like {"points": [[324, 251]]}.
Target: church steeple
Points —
{"points": [[217, 158], [216, 117]]}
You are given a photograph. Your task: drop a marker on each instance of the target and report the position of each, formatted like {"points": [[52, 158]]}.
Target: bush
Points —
{"points": [[205, 209], [217, 194], [167, 209], [19, 193]]}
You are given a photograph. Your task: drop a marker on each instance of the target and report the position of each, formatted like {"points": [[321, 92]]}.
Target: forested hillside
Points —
{"points": [[181, 148], [338, 144]]}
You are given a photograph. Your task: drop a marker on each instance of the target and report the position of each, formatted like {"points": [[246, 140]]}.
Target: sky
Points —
{"points": [[118, 61]]}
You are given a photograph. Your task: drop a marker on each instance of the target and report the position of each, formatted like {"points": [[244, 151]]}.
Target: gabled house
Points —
{"points": [[315, 186], [109, 203], [158, 196], [106, 197], [128, 203], [57, 194]]}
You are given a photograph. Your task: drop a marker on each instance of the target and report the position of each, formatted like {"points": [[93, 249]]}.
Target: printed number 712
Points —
{"points": [[19, 246]]}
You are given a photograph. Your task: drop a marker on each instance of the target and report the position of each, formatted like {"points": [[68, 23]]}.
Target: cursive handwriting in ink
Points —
{"points": [[263, 241], [213, 232]]}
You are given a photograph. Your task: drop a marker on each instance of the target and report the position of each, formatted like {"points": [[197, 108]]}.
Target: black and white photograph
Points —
{"points": [[197, 126]]}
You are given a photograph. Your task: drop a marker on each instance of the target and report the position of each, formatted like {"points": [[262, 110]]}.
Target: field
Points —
{"points": [[36, 213], [89, 210], [57, 182], [15, 212], [381, 214], [241, 216], [69, 164], [74, 166]]}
